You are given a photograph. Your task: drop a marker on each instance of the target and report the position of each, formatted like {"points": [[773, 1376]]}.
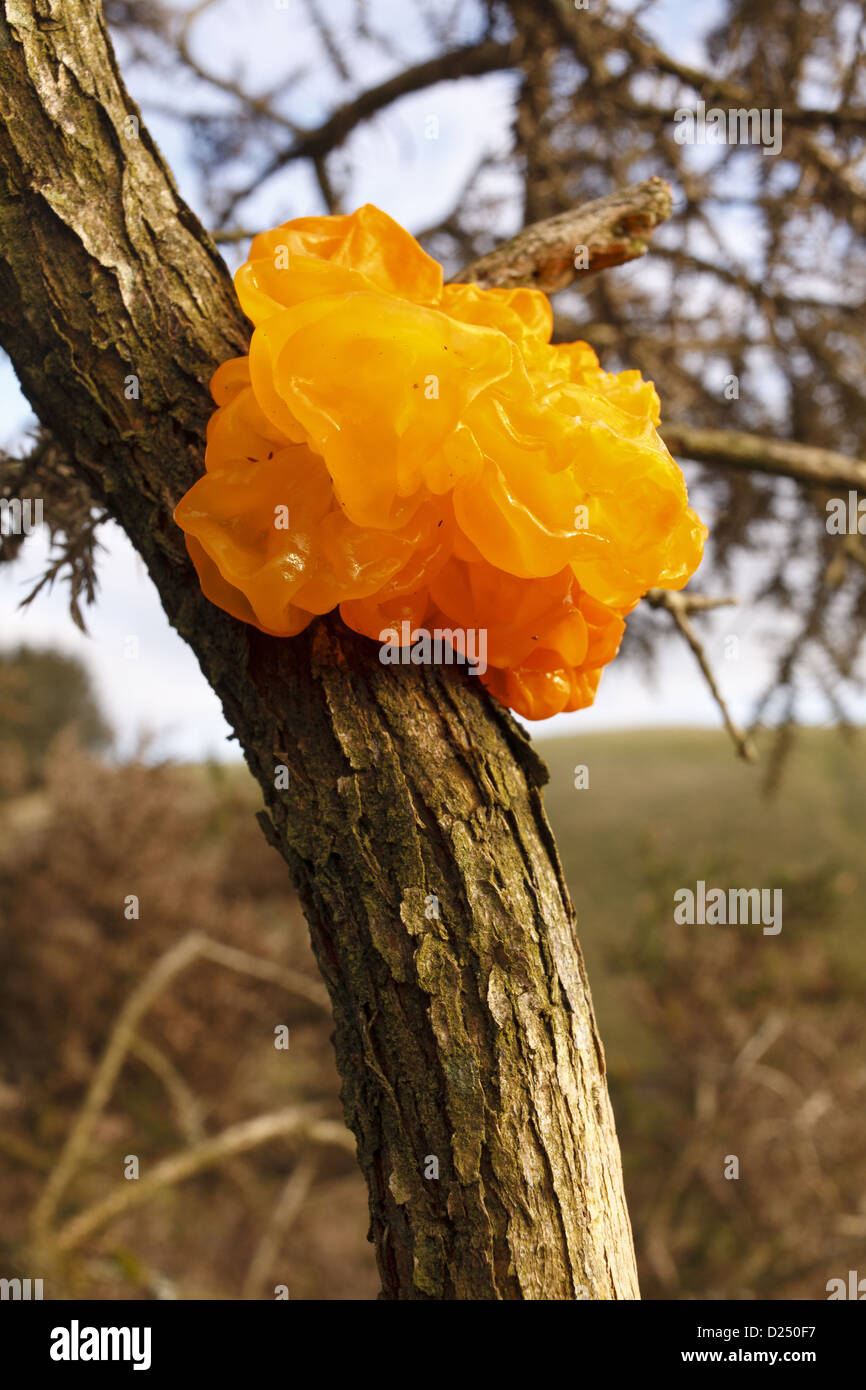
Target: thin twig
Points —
{"points": [[301, 1121], [260, 969], [191, 947], [473, 60], [186, 1105], [679, 606], [102, 1082], [286, 1208], [232, 235], [691, 603], [22, 1151]]}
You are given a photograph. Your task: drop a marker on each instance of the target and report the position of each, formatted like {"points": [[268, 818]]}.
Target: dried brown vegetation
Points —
{"points": [[738, 1050]]}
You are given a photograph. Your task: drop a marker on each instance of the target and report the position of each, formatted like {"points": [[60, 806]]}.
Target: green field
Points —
{"points": [[666, 807]]}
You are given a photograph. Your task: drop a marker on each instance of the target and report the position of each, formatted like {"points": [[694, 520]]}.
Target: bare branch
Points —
{"points": [[258, 105], [300, 1121], [679, 606], [614, 229], [287, 1207], [185, 1104], [316, 144], [734, 449], [71, 516], [327, 39], [710, 85], [247, 964], [692, 603], [103, 1079], [20, 1150], [224, 236], [191, 947]]}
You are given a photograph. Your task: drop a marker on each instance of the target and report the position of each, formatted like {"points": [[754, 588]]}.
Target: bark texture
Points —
{"points": [[611, 230], [467, 1036]]}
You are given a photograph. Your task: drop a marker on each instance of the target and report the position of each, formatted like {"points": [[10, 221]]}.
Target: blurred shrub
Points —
{"points": [[41, 694], [754, 1052], [185, 842]]}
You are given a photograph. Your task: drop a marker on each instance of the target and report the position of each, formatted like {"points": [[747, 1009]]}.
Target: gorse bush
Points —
{"points": [[41, 694]]}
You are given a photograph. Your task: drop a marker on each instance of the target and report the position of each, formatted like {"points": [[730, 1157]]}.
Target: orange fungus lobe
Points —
{"points": [[412, 451]]}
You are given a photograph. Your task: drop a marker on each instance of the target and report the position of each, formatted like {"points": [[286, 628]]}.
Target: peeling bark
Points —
{"points": [[611, 230], [467, 1035]]}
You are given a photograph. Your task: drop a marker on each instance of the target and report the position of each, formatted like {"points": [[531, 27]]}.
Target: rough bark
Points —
{"points": [[468, 1036], [613, 229]]}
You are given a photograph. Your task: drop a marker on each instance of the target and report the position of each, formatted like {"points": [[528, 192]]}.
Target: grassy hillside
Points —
{"points": [[665, 807], [723, 1043]]}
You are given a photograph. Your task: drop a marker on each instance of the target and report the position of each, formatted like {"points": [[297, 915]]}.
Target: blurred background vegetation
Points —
{"points": [[719, 1040]]}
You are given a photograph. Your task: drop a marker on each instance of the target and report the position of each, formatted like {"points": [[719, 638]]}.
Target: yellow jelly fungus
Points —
{"points": [[412, 451]]}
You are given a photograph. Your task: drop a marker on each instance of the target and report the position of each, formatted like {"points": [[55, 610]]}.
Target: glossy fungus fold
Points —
{"points": [[412, 452]]}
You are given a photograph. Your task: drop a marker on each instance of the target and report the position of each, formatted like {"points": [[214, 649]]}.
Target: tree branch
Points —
{"points": [[613, 229], [680, 606], [303, 1122], [193, 946], [709, 84], [289, 1203], [316, 144], [735, 449]]}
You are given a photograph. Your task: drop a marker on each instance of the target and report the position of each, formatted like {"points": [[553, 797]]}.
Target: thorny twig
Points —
{"points": [[680, 606]]}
